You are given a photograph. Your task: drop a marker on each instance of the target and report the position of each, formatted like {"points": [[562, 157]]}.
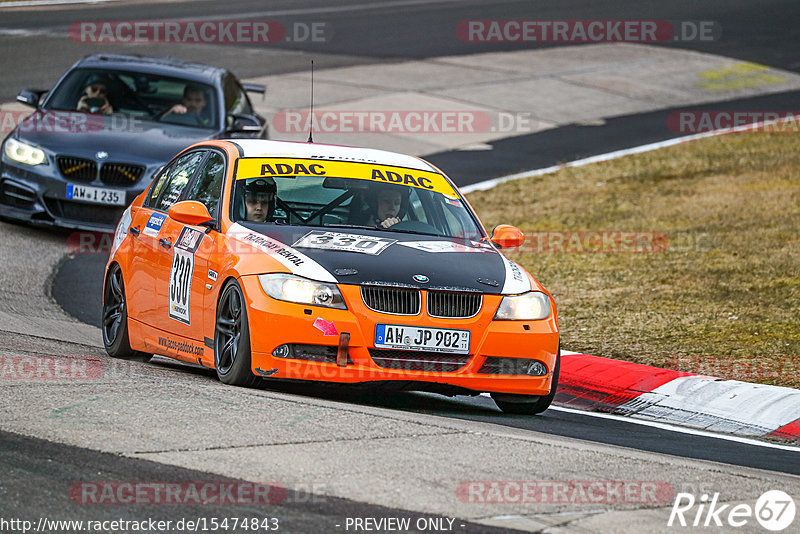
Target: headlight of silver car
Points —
{"points": [[293, 288], [23, 152], [530, 306]]}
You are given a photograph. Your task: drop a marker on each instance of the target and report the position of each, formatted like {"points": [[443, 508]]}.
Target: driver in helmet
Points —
{"points": [[259, 199]]}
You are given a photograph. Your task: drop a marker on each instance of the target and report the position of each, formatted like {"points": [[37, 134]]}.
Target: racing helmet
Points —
{"points": [[255, 188]]}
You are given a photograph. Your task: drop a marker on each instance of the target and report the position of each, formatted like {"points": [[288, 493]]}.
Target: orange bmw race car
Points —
{"points": [[278, 260]]}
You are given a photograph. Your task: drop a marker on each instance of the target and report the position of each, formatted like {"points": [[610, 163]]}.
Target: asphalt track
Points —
{"points": [[38, 475], [78, 282], [38, 471], [365, 32]]}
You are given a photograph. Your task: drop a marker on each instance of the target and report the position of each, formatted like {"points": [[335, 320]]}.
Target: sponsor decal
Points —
{"points": [[181, 346], [154, 224], [516, 281], [441, 246], [327, 328], [212, 275], [432, 181], [180, 276], [122, 230], [294, 260], [345, 242]]}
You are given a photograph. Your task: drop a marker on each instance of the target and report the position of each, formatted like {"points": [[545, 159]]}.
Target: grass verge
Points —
{"points": [[705, 277]]}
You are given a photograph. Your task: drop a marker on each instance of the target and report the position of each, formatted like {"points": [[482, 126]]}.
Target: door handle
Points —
{"points": [[166, 243], [135, 231]]}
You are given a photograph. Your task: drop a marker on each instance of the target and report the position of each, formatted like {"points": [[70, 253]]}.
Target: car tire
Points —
{"points": [[232, 338], [114, 326], [529, 404]]}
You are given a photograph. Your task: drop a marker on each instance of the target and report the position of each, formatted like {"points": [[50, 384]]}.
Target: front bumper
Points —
{"points": [[37, 195], [273, 323]]}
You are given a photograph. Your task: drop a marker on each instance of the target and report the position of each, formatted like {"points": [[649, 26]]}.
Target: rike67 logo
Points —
{"points": [[774, 510]]}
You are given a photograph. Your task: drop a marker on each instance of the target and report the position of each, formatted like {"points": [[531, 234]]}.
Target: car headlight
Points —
{"points": [[531, 306], [293, 288], [23, 152]]}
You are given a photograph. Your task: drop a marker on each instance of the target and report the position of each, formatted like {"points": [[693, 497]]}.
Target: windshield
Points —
{"points": [[144, 96], [347, 194]]}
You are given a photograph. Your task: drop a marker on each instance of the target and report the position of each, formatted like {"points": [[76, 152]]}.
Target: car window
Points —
{"points": [[236, 100], [207, 187], [346, 202], [172, 180], [142, 95]]}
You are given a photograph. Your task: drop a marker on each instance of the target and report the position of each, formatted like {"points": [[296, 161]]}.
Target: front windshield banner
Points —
{"points": [[372, 172]]}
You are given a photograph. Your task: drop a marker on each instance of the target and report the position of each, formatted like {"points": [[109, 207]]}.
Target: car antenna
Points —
{"points": [[311, 117]]}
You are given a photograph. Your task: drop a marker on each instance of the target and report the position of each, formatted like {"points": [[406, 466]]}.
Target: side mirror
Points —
{"points": [[241, 123], [255, 88], [507, 236], [190, 212], [31, 97]]}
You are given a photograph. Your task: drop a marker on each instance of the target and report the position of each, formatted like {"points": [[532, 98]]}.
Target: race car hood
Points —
{"points": [[398, 259], [123, 138]]}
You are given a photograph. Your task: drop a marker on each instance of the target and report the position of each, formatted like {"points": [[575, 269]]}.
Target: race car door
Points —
{"points": [[182, 278], [149, 240]]}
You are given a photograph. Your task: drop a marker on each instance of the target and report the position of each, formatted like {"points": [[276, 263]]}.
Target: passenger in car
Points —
{"points": [[94, 98]]}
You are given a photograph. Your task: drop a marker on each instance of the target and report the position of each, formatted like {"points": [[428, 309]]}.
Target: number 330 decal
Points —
{"points": [[347, 242], [180, 276]]}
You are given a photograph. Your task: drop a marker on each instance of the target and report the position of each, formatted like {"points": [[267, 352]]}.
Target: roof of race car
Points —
{"points": [[253, 148]]}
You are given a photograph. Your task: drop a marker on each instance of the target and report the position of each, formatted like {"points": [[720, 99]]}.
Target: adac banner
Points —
{"points": [[276, 167]]}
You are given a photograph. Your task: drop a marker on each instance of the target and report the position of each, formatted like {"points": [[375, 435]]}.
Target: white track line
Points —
{"points": [[682, 430], [488, 184]]}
